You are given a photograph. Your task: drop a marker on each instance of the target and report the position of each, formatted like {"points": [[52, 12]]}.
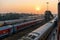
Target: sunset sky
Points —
{"points": [[28, 6]]}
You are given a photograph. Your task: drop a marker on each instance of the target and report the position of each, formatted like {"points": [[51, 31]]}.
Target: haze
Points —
{"points": [[28, 6]]}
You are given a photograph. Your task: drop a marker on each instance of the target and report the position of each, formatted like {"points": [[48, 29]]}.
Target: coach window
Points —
{"points": [[33, 37], [30, 36]]}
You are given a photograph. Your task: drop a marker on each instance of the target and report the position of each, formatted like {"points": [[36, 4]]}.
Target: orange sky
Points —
{"points": [[28, 6]]}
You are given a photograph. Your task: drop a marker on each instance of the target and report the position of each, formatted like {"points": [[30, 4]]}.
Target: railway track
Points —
{"points": [[23, 32]]}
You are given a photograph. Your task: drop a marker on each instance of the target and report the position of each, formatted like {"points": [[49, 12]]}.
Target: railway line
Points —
{"points": [[23, 32]]}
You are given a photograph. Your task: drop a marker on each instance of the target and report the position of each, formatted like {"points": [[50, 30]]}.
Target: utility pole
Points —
{"points": [[47, 5]]}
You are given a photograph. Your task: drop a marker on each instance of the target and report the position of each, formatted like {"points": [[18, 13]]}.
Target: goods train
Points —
{"points": [[42, 32], [10, 29]]}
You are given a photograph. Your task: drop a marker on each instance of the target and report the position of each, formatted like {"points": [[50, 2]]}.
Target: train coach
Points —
{"points": [[21, 26], [40, 33], [11, 22], [16, 21], [7, 30]]}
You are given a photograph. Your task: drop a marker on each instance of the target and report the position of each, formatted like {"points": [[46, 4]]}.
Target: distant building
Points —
{"points": [[48, 15]]}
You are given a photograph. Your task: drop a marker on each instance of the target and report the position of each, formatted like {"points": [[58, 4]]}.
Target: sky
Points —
{"points": [[28, 6]]}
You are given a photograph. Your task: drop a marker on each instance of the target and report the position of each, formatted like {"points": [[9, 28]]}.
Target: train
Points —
{"points": [[11, 22], [10, 29], [42, 32]]}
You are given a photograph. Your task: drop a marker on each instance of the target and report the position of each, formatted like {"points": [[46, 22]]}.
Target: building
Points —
{"points": [[48, 15]]}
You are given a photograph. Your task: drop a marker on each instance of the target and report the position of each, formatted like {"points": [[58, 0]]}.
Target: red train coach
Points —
{"points": [[6, 30], [25, 25]]}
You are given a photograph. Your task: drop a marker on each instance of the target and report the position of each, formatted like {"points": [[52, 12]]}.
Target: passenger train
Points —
{"points": [[42, 32], [10, 29], [11, 22]]}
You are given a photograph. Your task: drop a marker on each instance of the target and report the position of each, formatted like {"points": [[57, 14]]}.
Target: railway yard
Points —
{"points": [[23, 32], [38, 27], [30, 20]]}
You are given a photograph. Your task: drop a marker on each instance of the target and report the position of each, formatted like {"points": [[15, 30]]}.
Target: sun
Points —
{"points": [[37, 8]]}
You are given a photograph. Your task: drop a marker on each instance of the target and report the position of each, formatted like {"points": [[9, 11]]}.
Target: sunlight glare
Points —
{"points": [[37, 8]]}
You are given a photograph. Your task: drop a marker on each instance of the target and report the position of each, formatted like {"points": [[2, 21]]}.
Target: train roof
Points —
{"points": [[14, 20], [42, 29], [27, 22], [5, 27]]}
